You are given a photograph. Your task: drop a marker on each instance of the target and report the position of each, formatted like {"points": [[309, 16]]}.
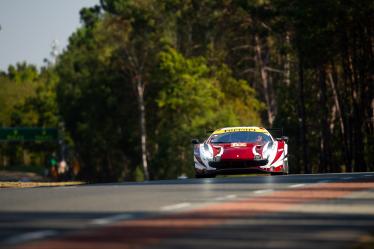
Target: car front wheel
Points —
{"points": [[207, 175]]}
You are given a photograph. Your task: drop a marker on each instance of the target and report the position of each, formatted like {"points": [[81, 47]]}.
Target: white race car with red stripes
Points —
{"points": [[238, 150]]}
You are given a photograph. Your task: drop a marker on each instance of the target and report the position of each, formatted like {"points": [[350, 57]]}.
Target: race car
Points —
{"points": [[240, 150]]}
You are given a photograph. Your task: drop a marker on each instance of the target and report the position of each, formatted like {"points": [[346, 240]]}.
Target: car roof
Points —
{"points": [[241, 128]]}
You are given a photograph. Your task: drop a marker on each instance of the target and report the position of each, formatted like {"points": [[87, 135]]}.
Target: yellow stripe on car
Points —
{"points": [[245, 129]]}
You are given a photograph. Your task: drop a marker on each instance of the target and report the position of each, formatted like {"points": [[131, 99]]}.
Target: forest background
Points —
{"points": [[140, 79]]}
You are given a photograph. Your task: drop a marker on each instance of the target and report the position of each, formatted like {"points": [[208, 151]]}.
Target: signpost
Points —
{"points": [[28, 134]]}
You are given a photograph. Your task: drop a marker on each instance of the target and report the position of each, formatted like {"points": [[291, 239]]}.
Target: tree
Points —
{"points": [[39, 109], [140, 66], [139, 29], [27, 99], [192, 98], [93, 101]]}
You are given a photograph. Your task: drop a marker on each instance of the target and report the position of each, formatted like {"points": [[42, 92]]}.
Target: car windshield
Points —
{"points": [[240, 137]]}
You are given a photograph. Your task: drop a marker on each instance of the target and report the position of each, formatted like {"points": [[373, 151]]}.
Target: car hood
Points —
{"points": [[238, 151]]}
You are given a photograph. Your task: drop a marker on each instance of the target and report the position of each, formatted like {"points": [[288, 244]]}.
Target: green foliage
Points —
{"points": [[16, 86], [22, 72], [39, 109], [27, 99], [38, 169], [193, 98], [202, 65], [138, 175]]}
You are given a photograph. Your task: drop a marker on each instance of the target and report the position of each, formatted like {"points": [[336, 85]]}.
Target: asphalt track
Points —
{"points": [[295, 211]]}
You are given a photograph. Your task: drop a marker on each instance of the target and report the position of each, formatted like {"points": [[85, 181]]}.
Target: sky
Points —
{"points": [[29, 27]]}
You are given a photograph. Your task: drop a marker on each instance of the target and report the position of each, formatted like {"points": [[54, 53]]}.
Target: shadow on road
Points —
{"points": [[270, 230], [319, 217]]}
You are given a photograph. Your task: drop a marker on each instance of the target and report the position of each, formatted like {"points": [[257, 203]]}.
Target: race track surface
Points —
{"points": [[295, 211]]}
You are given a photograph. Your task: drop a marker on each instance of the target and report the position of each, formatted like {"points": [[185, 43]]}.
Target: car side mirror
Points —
{"points": [[195, 141], [283, 138]]}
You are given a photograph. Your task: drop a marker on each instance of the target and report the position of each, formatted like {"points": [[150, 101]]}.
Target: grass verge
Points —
{"points": [[38, 184]]}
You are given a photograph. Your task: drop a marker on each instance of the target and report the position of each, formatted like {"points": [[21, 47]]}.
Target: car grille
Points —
{"points": [[237, 164]]}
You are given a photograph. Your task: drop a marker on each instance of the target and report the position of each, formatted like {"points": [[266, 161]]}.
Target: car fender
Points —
{"points": [[203, 154]]}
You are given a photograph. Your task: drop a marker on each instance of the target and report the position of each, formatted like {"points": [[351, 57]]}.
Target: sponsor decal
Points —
{"points": [[237, 129], [238, 144]]}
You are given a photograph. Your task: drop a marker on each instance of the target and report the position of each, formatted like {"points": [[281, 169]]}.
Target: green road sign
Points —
{"points": [[28, 134]]}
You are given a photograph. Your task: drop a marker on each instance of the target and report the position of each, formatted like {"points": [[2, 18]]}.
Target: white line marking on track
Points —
{"points": [[176, 206], [297, 185], [347, 178], [30, 236], [227, 197], [111, 219], [262, 191], [367, 175]]}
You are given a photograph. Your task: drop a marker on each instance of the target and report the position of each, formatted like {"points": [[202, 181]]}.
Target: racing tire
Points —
{"points": [[278, 173], [205, 175]]}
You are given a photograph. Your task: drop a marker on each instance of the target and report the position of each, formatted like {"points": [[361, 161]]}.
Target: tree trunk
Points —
{"points": [[287, 62], [302, 117], [348, 96], [358, 139], [325, 134], [142, 121], [338, 105], [269, 99]]}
